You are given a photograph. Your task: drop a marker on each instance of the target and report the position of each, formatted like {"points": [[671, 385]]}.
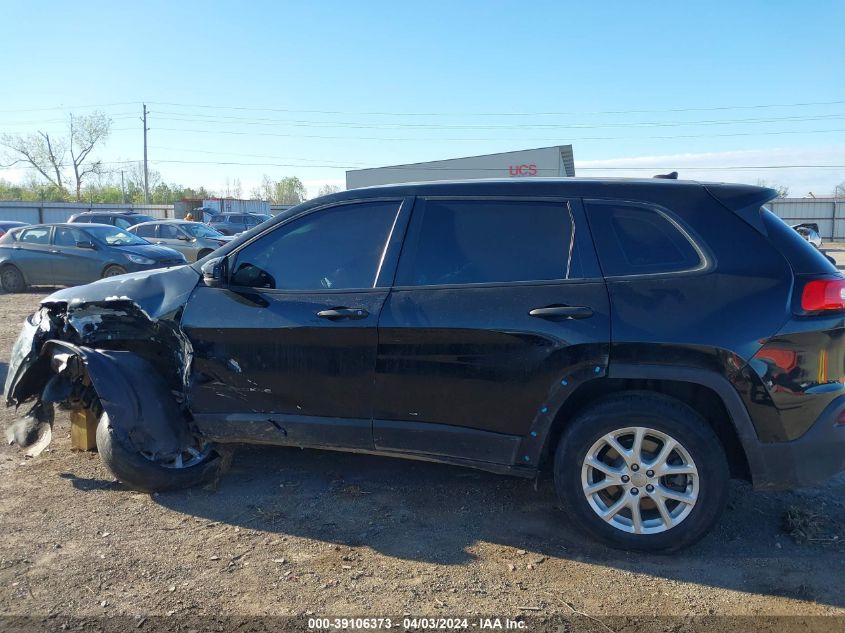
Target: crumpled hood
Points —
{"points": [[158, 292], [153, 251]]}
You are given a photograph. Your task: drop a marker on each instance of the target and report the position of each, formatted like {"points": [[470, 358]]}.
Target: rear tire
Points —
{"points": [[113, 271], [645, 509], [12, 279], [140, 473]]}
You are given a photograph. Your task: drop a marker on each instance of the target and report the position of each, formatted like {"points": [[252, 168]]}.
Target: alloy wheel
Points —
{"points": [[640, 480]]}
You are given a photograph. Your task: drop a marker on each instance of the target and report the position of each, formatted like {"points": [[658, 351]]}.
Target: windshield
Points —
{"points": [[195, 229], [114, 236]]}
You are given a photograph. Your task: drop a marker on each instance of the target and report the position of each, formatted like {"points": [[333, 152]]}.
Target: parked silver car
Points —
{"points": [[72, 254], [193, 239]]}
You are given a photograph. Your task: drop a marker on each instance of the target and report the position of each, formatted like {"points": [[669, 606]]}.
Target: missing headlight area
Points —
{"points": [[104, 356]]}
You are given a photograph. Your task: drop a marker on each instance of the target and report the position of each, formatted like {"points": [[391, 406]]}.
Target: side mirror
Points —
{"points": [[184, 238], [88, 245], [214, 272]]}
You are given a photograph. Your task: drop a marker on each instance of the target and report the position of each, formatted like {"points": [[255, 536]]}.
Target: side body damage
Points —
{"points": [[91, 347]]}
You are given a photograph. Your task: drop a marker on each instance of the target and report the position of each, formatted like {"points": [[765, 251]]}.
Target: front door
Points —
{"points": [[498, 309], [172, 236], [285, 352], [74, 265]]}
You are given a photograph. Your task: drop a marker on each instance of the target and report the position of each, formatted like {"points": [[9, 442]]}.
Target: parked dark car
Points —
{"points": [[234, 223], [643, 339], [72, 254], [8, 225], [120, 219]]}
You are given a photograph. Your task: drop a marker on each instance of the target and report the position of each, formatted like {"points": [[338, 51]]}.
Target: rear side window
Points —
{"points": [[146, 230], [38, 235], [633, 239], [488, 241]]}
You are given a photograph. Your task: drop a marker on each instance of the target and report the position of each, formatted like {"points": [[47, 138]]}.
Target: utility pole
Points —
{"points": [[146, 171], [122, 188]]}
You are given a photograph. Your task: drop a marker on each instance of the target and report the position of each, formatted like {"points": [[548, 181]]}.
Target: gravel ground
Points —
{"points": [[305, 533]]}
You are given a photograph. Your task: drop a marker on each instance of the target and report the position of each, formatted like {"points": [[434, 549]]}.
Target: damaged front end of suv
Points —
{"points": [[124, 360]]}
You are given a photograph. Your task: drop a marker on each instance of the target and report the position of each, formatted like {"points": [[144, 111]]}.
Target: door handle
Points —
{"points": [[55, 251], [335, 314], [562, 312]]}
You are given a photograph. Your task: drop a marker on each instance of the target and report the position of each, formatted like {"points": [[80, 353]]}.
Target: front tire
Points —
{"points": [[147, 475], [12, 279], [113, 271], [642, 471]]}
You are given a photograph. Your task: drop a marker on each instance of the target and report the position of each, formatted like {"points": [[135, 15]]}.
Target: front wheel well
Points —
{"points": [[700, 398]]}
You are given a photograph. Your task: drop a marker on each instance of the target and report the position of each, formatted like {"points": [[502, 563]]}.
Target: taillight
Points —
{"points": [[823, 294]]}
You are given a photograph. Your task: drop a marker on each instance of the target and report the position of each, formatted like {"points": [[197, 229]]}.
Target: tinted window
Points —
{"points": [[479, 241], [236, 219], [122, 222], [146, 230], [169, 232], [638, 240], [99, 219], [38, 235], [66, 236], [336, 248]]}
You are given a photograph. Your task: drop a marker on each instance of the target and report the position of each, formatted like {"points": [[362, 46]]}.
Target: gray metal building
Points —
{"points": [[552, 161]]}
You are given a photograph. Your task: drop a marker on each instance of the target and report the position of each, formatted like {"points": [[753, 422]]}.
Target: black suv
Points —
{"points": [[644, 339], [120, 219]]}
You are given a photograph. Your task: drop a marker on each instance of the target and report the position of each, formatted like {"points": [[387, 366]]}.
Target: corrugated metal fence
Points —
{"points": [[39, 212], [828, 213]]}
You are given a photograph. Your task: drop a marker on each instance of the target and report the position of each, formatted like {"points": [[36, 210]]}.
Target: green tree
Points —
{"points": [[288, 190]]}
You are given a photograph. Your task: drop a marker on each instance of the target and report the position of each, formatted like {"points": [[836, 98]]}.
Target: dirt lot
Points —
{"points": [[307, 533]]}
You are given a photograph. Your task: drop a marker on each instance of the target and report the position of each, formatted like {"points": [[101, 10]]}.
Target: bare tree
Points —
{"points": [[327, 189], [839, 190], [783, 190], [48, 154]]}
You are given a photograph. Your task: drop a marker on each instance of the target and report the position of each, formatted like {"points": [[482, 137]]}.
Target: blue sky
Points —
{"points": [[316, 87]]}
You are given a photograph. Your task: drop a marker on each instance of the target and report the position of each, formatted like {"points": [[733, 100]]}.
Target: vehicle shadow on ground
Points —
{"points": [[434, 513]]}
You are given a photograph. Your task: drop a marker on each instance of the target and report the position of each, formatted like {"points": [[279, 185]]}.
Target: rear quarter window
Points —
{"points": [[803, 257], [637, 239]]}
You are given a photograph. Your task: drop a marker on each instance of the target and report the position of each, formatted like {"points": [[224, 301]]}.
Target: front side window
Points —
{"points": [[489, 241], [37, 235], [114, 236], [632, 239], [336, 248]]}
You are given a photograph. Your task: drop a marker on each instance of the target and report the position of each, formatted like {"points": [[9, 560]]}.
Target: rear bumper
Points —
{"points": [[813, 458]]}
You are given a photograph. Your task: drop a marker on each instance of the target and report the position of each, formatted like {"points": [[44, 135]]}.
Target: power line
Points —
{"points": [[491, 169], [561, 113], [499, 139], [349, 124], [77, 107]]}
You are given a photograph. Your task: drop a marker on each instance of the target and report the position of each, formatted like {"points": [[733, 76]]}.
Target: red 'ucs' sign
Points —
{"points": [[523, 170]]}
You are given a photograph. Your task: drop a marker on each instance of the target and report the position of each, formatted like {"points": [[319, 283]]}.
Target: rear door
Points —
{"points": [[498, 311], [33, 254], [286, 351]]}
